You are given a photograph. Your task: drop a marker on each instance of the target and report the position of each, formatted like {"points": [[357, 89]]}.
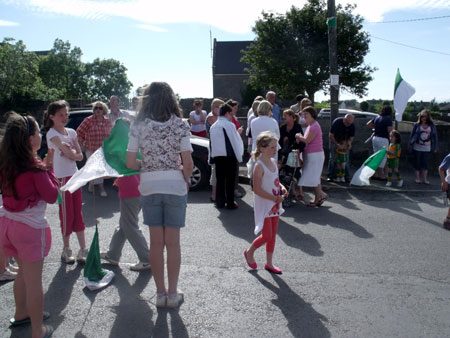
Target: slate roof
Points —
{"points": [[227, 57]]}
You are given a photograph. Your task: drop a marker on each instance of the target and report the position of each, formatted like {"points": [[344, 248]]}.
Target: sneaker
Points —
{"points": [[13, 268], [104, 256], [237, 194], [103, 193], [161, 299], [90, 187], [388, 183], [400, 184], [175, 299], [140, 266], [67, 257], [7, 275], [82, 255]]}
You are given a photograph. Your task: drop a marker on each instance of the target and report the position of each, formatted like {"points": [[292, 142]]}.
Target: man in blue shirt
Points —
{"points": [[342, 129], [271, 96]]}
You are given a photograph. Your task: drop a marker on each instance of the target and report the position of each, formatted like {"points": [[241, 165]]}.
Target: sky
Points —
{"points": [[171, 40]]}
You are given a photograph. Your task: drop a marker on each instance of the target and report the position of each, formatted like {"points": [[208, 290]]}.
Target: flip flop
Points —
{"points": [[299, 197], [13, 322], [320, 202], [48, 331], [312, 204]]}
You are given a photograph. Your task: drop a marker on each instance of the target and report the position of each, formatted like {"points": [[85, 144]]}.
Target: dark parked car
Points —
{"points": [[200, 154]]}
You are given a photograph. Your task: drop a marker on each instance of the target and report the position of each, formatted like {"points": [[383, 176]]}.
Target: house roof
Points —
{"points": [[227, 57]]}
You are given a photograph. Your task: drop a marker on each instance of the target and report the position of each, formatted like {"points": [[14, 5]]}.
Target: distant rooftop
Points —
{"points": [[227, 57]]}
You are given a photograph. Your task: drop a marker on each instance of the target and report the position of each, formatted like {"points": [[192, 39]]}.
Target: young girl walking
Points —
{"points": [[393, 158], [67, 151], [267, 198], [27, 185]]}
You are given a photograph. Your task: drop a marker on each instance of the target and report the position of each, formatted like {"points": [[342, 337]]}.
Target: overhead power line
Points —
{"points": [[404, 45], [411, 20]]}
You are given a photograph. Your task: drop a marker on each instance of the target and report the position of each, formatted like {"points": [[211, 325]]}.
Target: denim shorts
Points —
{"points": [[164, 210]]}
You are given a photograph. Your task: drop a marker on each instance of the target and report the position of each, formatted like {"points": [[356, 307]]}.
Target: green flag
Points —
{"points": [[92, 269]]}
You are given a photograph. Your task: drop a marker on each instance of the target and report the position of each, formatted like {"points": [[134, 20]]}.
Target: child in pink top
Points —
{"points": [[26, 185]]}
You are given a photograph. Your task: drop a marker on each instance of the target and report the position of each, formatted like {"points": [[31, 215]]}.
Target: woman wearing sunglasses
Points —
{"points": [[91, 133]]}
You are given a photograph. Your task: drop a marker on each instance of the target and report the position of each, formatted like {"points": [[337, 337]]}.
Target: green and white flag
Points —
{"points": [[95, 277], [402, 92], [107, 161], [361, 177]]}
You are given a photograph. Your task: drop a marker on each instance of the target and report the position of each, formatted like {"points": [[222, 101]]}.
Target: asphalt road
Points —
{"points": [[369, 263]]}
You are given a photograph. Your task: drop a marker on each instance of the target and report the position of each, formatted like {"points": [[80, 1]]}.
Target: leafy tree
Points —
{"points": [[290, 52], [434, 106], [364, 106], [63, 70], [21, 88], [107, 77]]}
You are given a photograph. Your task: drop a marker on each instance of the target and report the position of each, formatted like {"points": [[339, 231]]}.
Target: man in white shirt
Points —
{"points": [[114, 110]]}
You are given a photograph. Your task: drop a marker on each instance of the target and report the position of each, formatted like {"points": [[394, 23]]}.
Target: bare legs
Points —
{"points": [[424, 178], [29, 296], [168, 237]]}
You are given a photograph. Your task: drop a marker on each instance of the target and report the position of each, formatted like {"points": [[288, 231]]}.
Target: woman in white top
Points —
{"points": [[197, 118], [264, 122], [162, 138]]}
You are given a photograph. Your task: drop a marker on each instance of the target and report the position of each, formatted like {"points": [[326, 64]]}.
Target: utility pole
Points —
{"points": [[332, 53]]}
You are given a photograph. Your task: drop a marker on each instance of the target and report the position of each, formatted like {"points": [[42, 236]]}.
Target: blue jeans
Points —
{"points": [[331, 172]]}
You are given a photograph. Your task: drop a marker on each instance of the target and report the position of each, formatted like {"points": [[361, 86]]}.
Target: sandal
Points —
{"points": [[48, 331], [299, 197], [13, 322]]}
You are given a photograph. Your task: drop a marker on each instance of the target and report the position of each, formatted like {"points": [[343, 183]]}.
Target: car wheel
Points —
{"points": [[200, 175]]}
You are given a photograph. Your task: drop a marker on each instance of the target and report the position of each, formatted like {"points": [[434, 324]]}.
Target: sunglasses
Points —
{"points": [[101, 108]]}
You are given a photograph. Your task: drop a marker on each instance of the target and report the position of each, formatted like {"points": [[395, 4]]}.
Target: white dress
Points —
{"points": [[262, 206]]}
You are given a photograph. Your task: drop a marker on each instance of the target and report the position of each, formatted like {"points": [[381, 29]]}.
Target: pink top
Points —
{"points": [[128, 186], [31, 187], [316, 145]]}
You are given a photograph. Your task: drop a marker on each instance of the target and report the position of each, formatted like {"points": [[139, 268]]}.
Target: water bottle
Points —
{"points": [[445, 198]]}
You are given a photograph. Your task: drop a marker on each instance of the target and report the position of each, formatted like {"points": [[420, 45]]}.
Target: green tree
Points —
{"points": [[290, 52], [107, 77], [21, 87], [364, 106], [63, 70]]}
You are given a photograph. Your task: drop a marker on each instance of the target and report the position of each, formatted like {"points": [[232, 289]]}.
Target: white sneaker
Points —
{"points": [[13, 268], [388, 183], [175, 299], [82, 255], [67, 257], [7, 275], [161, 299], [104, 256], [400, 184], [140, 266], [103, 193]]}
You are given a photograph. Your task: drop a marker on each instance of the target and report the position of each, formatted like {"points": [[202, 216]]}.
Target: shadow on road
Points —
{"points": [[295, 238], [303, 320]]}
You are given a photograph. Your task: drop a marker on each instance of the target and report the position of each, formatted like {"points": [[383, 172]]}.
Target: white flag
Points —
{"points": [[402, 92]]}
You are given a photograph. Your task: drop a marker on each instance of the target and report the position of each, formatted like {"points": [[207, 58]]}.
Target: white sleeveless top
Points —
{"points": [[263, 207], [198, 117]]}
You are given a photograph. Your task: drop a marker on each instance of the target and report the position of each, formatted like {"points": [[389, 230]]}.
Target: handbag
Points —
{"points": [[293, 160]]}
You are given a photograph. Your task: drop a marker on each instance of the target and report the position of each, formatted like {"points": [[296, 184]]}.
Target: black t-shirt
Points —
{"points": [[340, 131], [382, 123]]}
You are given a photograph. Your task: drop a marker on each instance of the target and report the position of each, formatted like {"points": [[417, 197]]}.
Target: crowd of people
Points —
{"points": [[162, 137]]}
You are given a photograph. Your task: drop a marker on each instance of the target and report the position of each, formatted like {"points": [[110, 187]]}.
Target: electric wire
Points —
{"points": [[405, 45], [410, 20]]}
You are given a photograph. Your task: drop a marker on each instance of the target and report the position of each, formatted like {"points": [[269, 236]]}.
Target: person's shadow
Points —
{"points": [[133, 313], [295, 238], [303, 320]]}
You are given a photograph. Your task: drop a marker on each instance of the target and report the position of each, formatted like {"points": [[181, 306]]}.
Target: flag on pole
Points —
{"points": [[95, 277], [107, 161], [402, 92], [361, 177]]}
